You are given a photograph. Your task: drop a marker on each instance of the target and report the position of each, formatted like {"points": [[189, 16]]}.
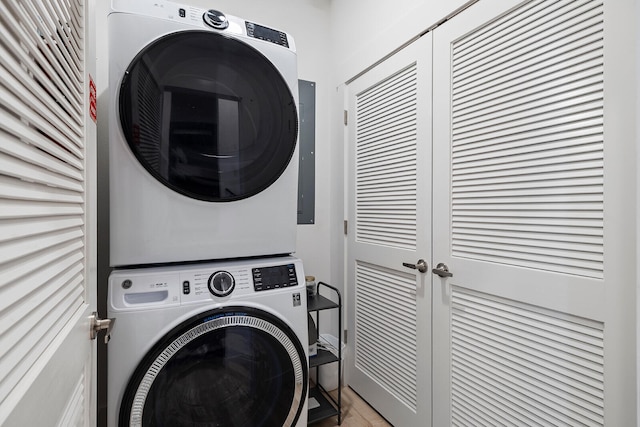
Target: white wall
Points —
{"points": [[637, 54], [364, 31]]}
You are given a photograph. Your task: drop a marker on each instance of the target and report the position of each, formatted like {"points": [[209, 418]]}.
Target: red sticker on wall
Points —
{"points": [[93, 101]]}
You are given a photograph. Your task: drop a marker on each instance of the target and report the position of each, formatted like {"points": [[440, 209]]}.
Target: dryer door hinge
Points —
{"points": [[97, 324], [346, 226], [346, 115]]}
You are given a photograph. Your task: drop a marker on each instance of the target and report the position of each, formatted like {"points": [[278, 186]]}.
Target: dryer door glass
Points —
{"points": [[232, 368], [208, 116]]}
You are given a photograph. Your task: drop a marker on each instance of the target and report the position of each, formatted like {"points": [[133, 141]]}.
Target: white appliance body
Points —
{"points": [[180, 355], [203, 156]]}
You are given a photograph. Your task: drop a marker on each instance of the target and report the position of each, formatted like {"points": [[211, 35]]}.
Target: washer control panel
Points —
{"points": [[267, 34], [191, 284], [274, 277]]}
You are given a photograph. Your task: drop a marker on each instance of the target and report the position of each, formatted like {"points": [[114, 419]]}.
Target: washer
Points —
{"points": [[203, 127], [209, 344]]}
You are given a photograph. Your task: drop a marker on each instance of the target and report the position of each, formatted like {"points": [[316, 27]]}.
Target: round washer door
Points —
{"points": [[208, 115], [230, 367]]}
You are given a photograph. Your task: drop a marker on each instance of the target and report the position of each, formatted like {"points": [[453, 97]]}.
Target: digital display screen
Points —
{"points": [[266, 33], [276, 277]]}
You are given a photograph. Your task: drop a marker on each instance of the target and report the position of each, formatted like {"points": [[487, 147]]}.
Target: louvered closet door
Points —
{"points": [[532, 196], [389, 224], [47, 215]]}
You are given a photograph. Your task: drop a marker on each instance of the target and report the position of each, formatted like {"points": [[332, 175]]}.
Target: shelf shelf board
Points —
{"points": [[322, 358], [318, 302], [325, 410]]}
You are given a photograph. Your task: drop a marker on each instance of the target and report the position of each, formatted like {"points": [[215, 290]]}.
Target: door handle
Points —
{"points": [[97, 324], [442, 270], [421, 266]]}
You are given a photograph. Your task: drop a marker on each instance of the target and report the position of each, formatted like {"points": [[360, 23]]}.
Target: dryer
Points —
{"points": [[209, 344], [203, 131]]}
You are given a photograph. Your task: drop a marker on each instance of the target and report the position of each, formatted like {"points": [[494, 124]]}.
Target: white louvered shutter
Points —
{"points": [[527, 140], [44, 213], [386, 140], [386, 127], [390, 149], [533, 315]]}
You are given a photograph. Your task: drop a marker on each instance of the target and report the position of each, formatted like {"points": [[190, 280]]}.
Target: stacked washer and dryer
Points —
{"points": [[209, 305]]}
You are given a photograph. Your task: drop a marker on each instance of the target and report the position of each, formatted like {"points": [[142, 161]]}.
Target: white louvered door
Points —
{"points": [[532, 195], [389, 320], [47, 214]]}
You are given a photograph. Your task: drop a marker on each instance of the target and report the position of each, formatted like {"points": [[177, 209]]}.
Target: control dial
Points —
{"points": [[216, 19], [221, 283]]}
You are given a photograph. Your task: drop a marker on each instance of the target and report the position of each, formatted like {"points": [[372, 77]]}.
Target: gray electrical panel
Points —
{"points": [[307, 144]]}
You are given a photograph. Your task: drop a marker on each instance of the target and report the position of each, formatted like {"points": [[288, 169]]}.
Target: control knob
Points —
{"points": [[221, 283], [216, 19]]}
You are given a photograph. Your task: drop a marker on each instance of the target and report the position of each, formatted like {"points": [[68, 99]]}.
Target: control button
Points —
{"points": [[186, 287], [215, 19], [221, 283], [182, 13]]}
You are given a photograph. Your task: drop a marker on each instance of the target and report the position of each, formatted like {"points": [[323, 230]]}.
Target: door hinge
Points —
{"points": [[346, 115], [344, 336], [97, 324], [345, 226]]}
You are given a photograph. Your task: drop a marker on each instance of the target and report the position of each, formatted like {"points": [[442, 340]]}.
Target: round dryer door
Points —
{"points": [[208, 116], [231, 367]]}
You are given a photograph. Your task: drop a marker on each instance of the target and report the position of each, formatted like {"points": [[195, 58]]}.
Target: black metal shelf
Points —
{"points": [[322, 358], [329, 406], [317, 302], [322, 412]]}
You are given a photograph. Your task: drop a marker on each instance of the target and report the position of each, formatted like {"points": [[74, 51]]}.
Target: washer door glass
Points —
{"points": [[208, 116], [237, 367]]}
